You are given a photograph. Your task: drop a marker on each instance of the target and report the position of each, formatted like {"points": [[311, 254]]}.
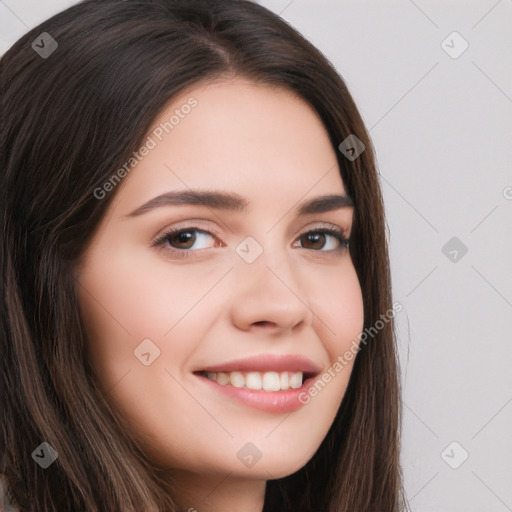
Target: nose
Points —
{"points": [[267, 294]]}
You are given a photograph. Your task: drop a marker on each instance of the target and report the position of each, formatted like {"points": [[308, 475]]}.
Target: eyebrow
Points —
{"points": [[230, 201]]}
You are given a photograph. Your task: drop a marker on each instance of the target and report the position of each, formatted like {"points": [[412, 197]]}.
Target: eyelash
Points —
{"points": [[185, 253]]}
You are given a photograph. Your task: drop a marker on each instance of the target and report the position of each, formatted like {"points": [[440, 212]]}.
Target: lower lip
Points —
{"points": [[269, 401]]}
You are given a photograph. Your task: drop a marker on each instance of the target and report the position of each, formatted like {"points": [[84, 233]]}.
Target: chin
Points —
{"points": [[275, 467]]}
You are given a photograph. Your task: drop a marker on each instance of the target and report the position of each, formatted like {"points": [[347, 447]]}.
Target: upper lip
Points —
{"points": [[267, 363]]}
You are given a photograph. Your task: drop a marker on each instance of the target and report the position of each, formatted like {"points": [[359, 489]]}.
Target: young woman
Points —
{"points": [[193, 256]]}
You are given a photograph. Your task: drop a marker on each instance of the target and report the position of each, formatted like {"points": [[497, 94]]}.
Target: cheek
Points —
{"points": [[126, 300], [336, 300], [135, 295], [122, 304]]}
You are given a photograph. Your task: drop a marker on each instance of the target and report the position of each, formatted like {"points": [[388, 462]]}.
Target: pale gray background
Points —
{"points": [[442, 129]]}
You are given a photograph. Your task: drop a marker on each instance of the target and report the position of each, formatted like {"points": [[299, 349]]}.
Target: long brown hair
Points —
{"points": [[70, 119]]}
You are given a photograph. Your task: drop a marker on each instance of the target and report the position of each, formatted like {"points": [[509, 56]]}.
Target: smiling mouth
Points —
{"points": [[266, 381]]}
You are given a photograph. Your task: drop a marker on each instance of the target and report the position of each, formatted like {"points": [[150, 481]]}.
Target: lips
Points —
{"points": [[267, 363], [268, 382]]}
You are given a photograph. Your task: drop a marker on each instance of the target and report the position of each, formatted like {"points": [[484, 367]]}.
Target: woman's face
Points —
{"points": [[236, 283]]}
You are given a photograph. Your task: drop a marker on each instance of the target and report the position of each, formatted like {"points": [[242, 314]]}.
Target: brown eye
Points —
{"points": [[314, 240], [317, 240], [182, 239], [185, 240]]}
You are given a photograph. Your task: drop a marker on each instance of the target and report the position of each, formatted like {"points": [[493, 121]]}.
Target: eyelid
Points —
{"points": [[187, 224], [195, 223], [326, 225]]}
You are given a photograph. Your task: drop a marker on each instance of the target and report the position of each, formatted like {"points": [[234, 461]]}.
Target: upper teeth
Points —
{"points": [[268, 381]]}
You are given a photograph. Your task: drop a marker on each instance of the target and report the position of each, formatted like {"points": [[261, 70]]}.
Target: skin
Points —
{"points": [[269, 146]]}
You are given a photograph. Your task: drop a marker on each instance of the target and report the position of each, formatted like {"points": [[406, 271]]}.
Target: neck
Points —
{"points": [[218, 493]]}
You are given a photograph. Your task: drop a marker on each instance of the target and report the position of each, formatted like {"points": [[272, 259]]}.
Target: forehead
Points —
{"points": [[253, 139]]}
